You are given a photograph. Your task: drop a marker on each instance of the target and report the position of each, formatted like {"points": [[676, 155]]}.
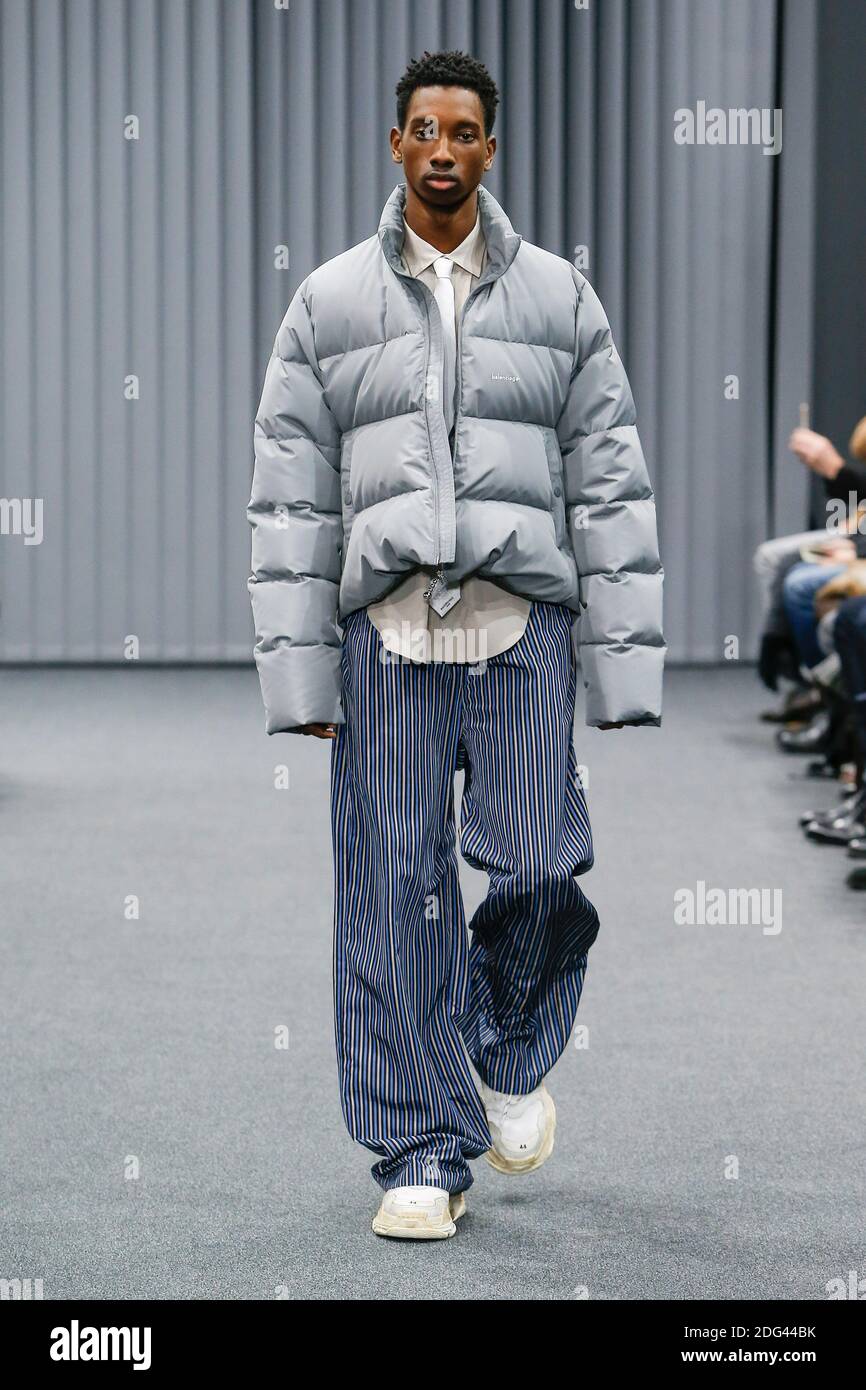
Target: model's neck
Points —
{"points": [[444, 228]]}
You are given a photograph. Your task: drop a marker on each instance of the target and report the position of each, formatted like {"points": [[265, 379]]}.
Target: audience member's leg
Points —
{"points": [[798, 595], [774, 557], [849, 636]]}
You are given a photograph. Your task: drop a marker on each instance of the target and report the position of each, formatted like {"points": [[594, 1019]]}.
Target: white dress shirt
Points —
{"points": [[487, 619]]}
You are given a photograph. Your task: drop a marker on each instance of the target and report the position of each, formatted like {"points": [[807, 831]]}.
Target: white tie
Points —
{"points": [[444, 296]]}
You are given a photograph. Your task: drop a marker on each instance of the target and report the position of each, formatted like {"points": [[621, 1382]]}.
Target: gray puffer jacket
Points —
{"points": [[354, 484]]}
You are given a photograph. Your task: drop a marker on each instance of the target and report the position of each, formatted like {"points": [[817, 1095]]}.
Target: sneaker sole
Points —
{"points": [[420, 1227], [502, 1164]]}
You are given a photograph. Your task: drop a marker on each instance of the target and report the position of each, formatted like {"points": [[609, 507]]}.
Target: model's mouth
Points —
{"points": [[440, 180]]}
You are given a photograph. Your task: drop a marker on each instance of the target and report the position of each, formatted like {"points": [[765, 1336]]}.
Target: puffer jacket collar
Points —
{"points": [[502, 240]]}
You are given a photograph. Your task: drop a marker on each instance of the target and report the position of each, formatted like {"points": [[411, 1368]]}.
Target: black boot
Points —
{"points": [[843, 828], [827, 817], [777, 657], [815, 738]]}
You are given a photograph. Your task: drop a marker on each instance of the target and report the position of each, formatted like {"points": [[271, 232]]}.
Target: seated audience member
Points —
{"points": [[845, 824], [789, 583]]}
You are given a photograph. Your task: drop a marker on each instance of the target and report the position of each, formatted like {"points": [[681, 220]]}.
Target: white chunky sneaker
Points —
{"points": [[419, 1213], [522, 1128]]}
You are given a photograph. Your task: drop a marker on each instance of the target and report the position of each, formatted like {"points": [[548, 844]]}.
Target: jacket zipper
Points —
{"points": [[439, 575], [436, 497], [459, 391], [428, 299]]}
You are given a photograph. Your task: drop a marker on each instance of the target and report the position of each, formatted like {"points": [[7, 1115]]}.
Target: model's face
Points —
{"points": [[442, 144]]}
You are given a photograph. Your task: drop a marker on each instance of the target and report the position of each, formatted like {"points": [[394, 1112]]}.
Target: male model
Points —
{"points": [[447, 469]]}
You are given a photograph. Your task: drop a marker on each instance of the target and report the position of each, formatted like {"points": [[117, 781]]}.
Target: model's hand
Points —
{"points": [[320, 730]]}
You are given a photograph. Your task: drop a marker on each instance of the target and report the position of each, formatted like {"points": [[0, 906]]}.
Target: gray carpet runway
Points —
{"points": [[711, 1138]]}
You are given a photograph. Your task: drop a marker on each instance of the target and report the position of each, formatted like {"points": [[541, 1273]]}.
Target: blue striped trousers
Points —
{"points": [[411, 998]]}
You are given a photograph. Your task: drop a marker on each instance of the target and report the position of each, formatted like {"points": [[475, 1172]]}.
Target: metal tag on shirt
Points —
{"points": [[442, 597]]}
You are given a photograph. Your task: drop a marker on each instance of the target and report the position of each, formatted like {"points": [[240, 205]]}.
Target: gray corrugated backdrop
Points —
{"points": [[262, 127]]}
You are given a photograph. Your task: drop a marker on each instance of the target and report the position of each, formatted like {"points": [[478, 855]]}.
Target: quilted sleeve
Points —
{"points": [[297, 534], [610, 509]]}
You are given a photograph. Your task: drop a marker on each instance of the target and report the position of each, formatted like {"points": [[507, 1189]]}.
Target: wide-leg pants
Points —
{"points": [[411, 999]]}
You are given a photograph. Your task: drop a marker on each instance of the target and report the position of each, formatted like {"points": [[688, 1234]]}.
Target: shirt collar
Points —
{"points": [[501, 242], [418, 254]]}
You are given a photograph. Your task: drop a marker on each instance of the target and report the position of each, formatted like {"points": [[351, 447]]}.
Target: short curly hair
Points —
{"points": [[451, 69]]}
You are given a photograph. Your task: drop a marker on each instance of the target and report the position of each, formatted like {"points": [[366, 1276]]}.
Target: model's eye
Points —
{"points": [[423, 134]]}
